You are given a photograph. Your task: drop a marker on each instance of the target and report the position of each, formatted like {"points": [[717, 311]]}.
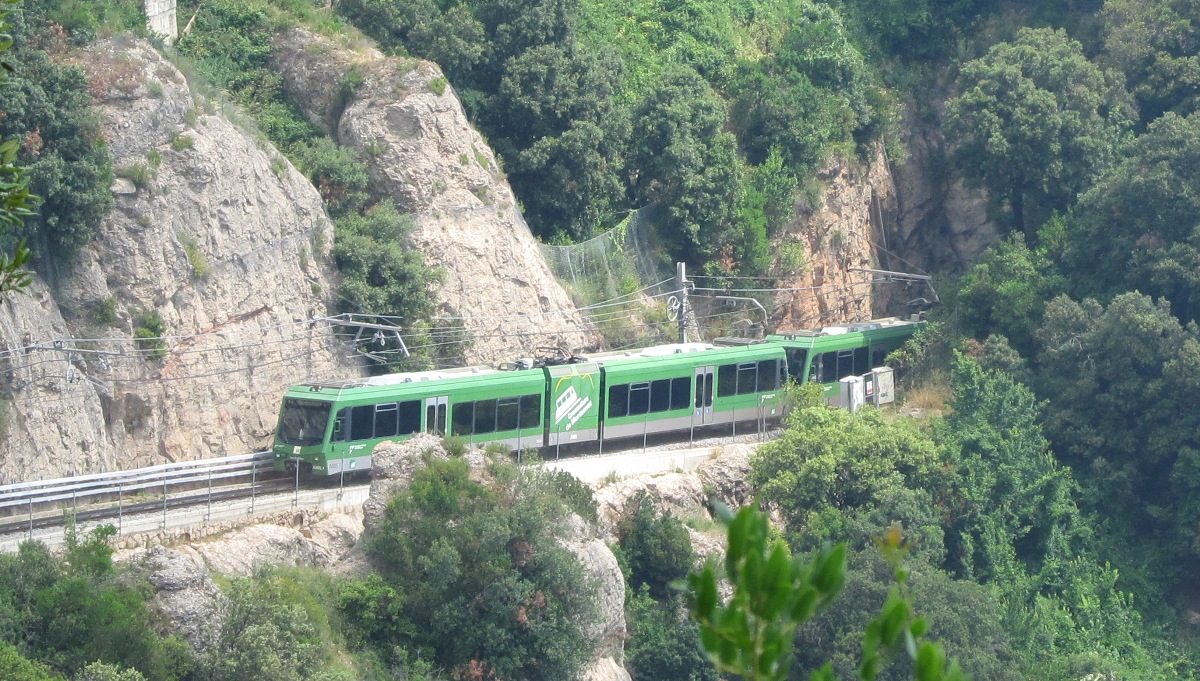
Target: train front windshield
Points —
{"points": [[303, 422]]}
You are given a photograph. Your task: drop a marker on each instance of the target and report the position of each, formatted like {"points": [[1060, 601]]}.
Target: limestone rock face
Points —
{"points": [[938, 223], [826, 241], [240, 553], [727, 474], [184, 594], [680, 493], [608, 629], [219, 239], [392, 469], [423, 153]]}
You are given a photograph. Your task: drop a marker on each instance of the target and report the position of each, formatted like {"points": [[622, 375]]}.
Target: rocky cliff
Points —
{"points": [[422, 152], [827, 241], [913, 217], [218, 244]]}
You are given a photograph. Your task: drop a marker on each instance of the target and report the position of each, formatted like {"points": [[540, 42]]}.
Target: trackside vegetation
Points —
{"points": [[1047, 488]]}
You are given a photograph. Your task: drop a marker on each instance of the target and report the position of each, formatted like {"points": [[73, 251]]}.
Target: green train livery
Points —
{"points": [[333, 428]]}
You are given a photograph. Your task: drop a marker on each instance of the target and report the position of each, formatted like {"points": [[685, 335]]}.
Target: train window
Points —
{"points": [[463, 418], [845, 364], [386, 420], [410, 417], [827, 363], [303, 422], [768, 375], [660, 395], [680, 392], [618, 401], [339, 425], [531, 411], [485, 416], [747, 378], [362, 422], [639, 398], [508, 413], [727, 381], [862, 362]]}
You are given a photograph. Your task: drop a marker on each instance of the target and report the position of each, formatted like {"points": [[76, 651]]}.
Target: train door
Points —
{"points": [[435, 414], [702, 413]]}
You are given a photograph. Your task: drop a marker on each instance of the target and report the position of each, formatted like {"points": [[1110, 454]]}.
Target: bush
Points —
{"points": [[47, 107], [486, 586], [657, 547], [68, 613], [150, 334]]}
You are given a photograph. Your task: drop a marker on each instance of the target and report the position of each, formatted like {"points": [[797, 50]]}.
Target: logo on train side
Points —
{"points": [[570, 406]]}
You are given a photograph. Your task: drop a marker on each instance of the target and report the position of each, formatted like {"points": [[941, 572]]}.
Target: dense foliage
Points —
{"points": [[47, 107], [1035, 122], [590, 125], [471, 575], [65, 614], [984, 502]]}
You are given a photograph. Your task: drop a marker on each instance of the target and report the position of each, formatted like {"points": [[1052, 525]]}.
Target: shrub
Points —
{"points": [[140, 174], [150, 334], [196, 258], [438, 85], [180, 141], [658, 549]]}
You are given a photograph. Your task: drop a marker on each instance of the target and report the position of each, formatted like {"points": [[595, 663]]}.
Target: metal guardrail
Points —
{"points": [[102, 486]]}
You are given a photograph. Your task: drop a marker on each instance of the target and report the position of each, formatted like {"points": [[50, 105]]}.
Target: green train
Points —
{"points": [[333, 428]]}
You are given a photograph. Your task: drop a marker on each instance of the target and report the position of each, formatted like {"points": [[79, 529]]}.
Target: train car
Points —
{"points": [[333, 428], [832, 353], [678, 387]]}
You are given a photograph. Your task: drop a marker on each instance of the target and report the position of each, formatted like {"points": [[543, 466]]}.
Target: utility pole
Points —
{"points": [[681, 282]]}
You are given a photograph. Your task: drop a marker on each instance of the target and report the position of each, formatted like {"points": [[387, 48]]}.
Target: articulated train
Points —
{"points": [[332, 428]]}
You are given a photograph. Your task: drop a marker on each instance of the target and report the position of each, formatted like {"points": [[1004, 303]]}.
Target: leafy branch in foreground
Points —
{"points": [[13, 275], [751, 635]]}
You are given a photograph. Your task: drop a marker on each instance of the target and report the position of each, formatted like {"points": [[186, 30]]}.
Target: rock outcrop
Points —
{"points": [[218, 244], [938, 223], [423, 153], [184, 594], [827, 242]]}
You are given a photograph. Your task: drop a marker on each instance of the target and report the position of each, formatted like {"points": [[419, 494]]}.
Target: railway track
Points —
{"points": [[51, 509]]}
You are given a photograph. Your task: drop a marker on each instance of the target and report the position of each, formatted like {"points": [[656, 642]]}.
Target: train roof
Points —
{"points": [[883, 324]]}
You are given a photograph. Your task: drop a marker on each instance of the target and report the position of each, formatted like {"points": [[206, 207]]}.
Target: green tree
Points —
{"points": [[1137, 227], [1156, 44], [751, 634], [664, 644], [266, 635], [686, 164], [1003, 461], [380, 275], [563, 136], [100, 671], [18, 668], [71, 613], [1136, 463], [923, 30], [1005, 291], [48, 110], [657, 547], [485, 584], [1035, 123], [966, 617], [838, 476]]}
